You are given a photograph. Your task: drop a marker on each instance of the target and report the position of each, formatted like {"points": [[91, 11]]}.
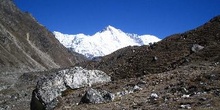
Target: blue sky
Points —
{"points": [[157, 17]]}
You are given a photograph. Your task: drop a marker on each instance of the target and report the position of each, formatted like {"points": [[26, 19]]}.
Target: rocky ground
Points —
{"points": [[194, 86]]}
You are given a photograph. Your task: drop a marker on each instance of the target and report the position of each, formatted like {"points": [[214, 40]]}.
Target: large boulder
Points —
{"points": [[79, 77], [50, 87]]}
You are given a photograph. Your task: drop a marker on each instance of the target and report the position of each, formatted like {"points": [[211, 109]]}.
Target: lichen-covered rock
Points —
{"points": [[97, 96], [49, 88], [78, 77]]}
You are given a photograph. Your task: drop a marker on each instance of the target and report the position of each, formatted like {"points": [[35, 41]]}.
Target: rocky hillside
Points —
{"points": [[180, 72], [26, 45], [168, 54]]}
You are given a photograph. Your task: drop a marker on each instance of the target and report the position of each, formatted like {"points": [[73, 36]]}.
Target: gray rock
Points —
{"points": [[187, 106], [136, 88], [49, 88], [79, 77], [196, 47], [154, 95], [97, 96], [155, 58], [128, 90]]}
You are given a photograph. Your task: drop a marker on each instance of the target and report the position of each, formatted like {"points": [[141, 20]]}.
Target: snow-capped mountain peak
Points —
{"points": [[111, 28], [103, 42]]}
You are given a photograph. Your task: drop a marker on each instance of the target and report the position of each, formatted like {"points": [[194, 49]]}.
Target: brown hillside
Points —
{"points": [[165, 55], [26, 45]]}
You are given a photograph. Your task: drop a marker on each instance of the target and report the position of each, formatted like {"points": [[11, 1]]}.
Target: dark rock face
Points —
{"points": [[26, 45], [35, 102], [97, 96], [49, 88]]}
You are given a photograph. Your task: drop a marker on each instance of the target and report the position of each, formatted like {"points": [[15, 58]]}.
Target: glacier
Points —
{"points": [[103, 42]]}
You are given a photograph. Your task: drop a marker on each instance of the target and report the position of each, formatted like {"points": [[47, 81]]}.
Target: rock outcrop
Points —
{"points": [[50, 87]]}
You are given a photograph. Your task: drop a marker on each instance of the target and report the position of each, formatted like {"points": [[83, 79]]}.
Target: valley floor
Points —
{"points": [[193, 86]]}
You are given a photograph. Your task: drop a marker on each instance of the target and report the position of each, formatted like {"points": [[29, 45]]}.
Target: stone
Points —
{"points": [[185, 96], [196, 47], [137, 88], [97, 96], [50, 87], [155, 58], [187, 106], [79, 77], [153, 98], [154, 95], [202, 99]]}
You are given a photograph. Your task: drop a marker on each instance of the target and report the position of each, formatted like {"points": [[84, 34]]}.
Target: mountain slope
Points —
{"points": [[104, 42], [180, 72], [26, 45], [168, 54]]}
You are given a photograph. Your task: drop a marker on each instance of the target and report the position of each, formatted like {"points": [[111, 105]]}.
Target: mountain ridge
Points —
{"points": [[26, 45], [165, 55], [103, 42]]}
